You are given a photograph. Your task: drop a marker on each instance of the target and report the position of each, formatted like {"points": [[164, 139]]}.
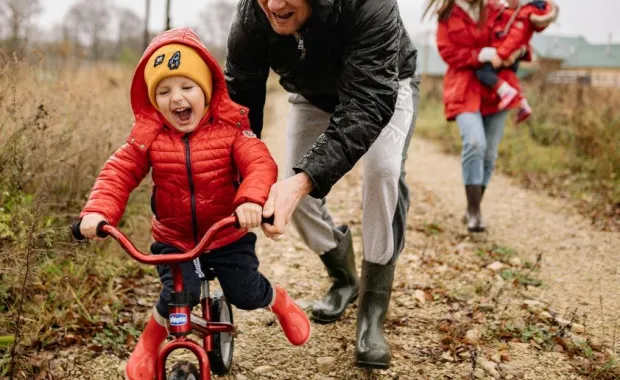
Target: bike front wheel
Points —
{"points": [[184, 371]]}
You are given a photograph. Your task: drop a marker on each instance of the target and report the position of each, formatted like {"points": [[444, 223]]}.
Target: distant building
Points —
{"points": [[430, 63], [599, 63], [553, 51]]}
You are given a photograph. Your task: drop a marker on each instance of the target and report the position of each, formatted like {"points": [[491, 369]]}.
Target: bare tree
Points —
{"points": [[2, 20], [61, 34], [215, 25], [167, 14], [146, 24], [17, 15], [72, 33], [92, 20], [129, 30]]}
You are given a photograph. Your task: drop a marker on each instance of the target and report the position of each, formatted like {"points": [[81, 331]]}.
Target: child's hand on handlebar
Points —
{"points": [[249, 215], [88, 226]]}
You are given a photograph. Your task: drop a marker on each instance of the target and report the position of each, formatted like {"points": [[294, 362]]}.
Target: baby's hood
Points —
{"points": [[542, 19]]}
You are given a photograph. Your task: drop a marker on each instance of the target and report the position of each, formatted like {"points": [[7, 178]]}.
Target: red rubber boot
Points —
{"points": [[141, 363], [293, 320]]}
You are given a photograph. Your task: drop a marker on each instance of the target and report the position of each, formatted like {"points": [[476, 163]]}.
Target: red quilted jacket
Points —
{"points": [[459, 41], [195, 174], [521, 27]]}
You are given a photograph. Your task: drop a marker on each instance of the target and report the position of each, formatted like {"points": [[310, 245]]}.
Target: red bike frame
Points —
{"points": [[202, 326]]}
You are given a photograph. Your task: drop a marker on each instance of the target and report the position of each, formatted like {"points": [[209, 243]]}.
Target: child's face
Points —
{"points": [[286, 16], [512, 3], [181, 101]]}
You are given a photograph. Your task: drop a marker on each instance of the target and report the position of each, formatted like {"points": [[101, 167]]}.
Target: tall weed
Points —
{"points": [[56, 131]]}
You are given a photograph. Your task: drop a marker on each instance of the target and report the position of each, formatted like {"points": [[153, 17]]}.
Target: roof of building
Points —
{"points": [[574, 52], [595, 56], [557, 47]]}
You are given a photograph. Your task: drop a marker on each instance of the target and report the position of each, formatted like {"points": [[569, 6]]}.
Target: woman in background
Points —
{"points": [[463, 39]]}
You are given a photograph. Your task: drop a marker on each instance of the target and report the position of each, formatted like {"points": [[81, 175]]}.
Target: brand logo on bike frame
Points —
{"points": [[178, 319]]}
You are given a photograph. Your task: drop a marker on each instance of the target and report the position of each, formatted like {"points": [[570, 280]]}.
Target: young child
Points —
{"points": [[512, 33], [198, 143]]}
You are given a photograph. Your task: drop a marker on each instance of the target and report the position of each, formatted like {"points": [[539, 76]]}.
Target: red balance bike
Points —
{"points": [[216, 324]]}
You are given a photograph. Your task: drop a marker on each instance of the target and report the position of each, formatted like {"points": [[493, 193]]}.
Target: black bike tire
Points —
{"points": [[217, 362], [182, 371]]}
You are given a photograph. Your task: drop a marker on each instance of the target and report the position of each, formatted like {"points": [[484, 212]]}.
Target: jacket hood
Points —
{"points": [[324, 9], [544, 20], [149, 119]]}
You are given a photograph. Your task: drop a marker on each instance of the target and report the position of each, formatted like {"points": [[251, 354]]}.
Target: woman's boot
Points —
{"points": [[371, 348], [464, 219], [340, 265], [474, 215]]}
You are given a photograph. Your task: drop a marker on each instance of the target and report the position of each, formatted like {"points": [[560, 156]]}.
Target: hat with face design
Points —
{"points": [[177, 60]]}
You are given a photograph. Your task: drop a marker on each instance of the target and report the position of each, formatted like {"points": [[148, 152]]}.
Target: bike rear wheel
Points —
{"points": [[220, 357]]}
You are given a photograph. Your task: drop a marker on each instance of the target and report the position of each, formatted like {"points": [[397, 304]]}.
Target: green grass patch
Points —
{"points": [[495, 253], [520, 278]]}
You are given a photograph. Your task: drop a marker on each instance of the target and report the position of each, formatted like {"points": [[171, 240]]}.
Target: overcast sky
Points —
{"points": [[593, 19]]}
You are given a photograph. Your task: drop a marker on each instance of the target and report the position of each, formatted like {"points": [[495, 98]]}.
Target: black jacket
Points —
{"points": [[348, 62]]}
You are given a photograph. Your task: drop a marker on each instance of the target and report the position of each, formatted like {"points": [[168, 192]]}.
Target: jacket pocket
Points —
{"points": [[456, 89], [154, 201]]}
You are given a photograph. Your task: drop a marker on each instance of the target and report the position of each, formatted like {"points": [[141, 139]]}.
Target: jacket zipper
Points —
{"points": [[191, 187], [300, 45]]}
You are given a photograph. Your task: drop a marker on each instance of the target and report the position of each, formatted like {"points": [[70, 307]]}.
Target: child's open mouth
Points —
{"points": [[183, 114]]}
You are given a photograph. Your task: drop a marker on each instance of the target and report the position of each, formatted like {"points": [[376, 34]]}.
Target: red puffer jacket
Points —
{"points": [[530, 18], [459, 41], [194, 175]]}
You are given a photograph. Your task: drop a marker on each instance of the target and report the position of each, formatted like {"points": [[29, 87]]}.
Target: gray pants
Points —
{"points": [[385, 193]]}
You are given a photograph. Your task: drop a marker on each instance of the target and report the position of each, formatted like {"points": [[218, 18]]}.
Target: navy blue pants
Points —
{"points": [[236, 268], [487, 74]]}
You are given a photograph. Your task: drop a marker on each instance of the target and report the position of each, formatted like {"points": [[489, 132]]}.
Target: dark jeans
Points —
{"points": [[236, 268], [487, 74]]}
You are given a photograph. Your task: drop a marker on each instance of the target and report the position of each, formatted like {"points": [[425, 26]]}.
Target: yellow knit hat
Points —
{"points": [[176, 59]]}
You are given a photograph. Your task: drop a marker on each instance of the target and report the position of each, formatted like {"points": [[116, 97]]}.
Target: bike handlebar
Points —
{"points": [[105, 229]]}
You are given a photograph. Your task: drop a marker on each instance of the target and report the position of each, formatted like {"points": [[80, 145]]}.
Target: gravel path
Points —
{"points": [[440, 289], [580, 266]]}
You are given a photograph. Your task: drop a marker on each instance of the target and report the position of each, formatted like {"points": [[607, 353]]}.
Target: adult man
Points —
{"points": [[349, 66]]}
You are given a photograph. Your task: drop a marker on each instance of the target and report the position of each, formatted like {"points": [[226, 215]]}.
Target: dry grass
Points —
{"points": [[57, 130], [570, 147]]}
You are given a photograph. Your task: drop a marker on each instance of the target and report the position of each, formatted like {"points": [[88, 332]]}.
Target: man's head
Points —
{"points": [[286, 16], [179, 85]]}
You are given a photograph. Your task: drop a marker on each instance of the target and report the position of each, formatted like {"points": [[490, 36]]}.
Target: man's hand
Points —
{"points": [[248, 214], [89, 223], [283, 200]]}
